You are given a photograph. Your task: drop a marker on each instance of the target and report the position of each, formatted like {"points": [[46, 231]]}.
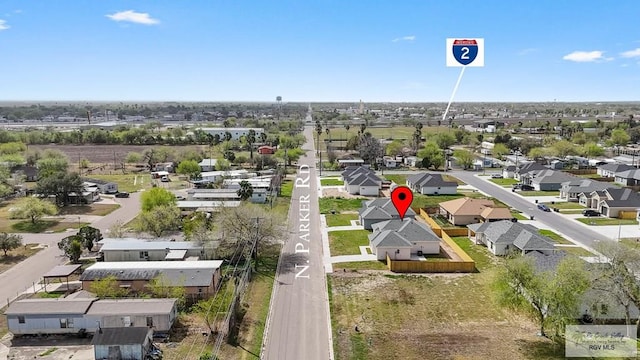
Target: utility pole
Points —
{"points": [[255, 244]]}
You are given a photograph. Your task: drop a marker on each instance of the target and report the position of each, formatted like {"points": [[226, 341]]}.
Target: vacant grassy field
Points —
{"points": [[340, 219], [538, 193], [504, 182], [15, 256], [602, 221], [347, 242], [327, 204], [558, 239], [360, 265], [331, 182], [127, 182], [575, 250], [388, 133], [427, 317], [479, 253], [565, 205], [93, 209]]}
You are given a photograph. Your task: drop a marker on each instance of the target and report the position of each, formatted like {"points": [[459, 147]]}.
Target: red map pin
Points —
{"points": [[401, 197]]}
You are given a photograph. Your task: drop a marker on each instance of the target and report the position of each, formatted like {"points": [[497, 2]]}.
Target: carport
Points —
{"points": [[60, 271]]}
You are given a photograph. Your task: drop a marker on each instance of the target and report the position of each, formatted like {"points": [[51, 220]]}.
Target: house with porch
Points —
{"points": [[464, 211], [361, 181], [403, 239], [378, 210], [431, 184], [504, 237]]}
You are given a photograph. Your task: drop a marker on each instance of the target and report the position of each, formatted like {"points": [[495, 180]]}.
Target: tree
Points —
{"points": [[251, 139], [189, 168], [156, 197], [117, 230], [431, 155], [209, 308], [60, 185], [464, 158], [107, 287], [159, 220], [552, 299], [564, 148], [444, 140], [161, 287], [619, 137], [591, 150], [133, 157], [394, 148], [370, 148], [292, 155], [49, 166], [246, 190], [89, 236], [538, 153], [9, 242], [72, 247], [33, 209], [500, 150]]}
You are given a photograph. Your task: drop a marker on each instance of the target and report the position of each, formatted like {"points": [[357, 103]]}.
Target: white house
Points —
{"points": [[610, 170], [207, 165], [403, 239], [431, 184], [361, 181]]}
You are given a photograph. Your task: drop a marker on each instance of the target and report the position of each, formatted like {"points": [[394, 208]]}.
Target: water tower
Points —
{"points": [[279, 106]]}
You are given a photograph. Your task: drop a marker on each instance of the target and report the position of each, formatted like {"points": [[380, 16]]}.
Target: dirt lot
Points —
{"points": [[340, 193], [49, 347], [105, 154]]}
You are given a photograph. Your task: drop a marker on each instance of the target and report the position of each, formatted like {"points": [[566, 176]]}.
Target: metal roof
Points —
{"points": [[176, 255], [58, 306], [156, 265], [132, 306], [61, 271], [121, 336], [126, 244]]}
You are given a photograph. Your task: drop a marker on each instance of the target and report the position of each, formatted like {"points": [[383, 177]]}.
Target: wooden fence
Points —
{"points": [[582, 171], [627, 215]]}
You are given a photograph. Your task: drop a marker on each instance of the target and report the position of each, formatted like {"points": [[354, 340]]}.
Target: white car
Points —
{"points": [[496, 176]]}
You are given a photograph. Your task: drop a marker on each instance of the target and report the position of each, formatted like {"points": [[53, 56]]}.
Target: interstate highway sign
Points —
{"points": [[465, 52]]}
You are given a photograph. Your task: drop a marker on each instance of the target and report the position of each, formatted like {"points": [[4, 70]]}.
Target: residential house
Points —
{"points": [[391, 162], [526, 168], [157, 314], [508, 171], [403, 239], [130, 343], [165, 166], [266, 150], [503, 237], [206, 206], [143, 250], [48, 316], [200, 279], [350, 162], [628, 177], [614, 201], [90, 194], [105, 187], [207, 165], [571, 190], [236, 133], [464, 211], [377, 210], [259, 196], [610, 169], [411, 161], [546, 180], [431, 184], [361, 181]]}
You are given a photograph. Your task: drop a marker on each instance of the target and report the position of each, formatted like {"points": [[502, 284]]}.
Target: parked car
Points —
{"points": [[496, 176], [523, 187], [164, 179], [590, 212], [544, 207], [122, 195]]}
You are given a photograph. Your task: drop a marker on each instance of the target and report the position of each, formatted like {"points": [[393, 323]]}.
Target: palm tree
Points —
{"points": [[251, 139], [246, 190], [227, 136]]}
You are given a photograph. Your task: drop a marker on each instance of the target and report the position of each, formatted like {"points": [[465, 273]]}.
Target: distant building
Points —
{"points": [[236, 133], [266, 150], [207, 165], [105, 187]]}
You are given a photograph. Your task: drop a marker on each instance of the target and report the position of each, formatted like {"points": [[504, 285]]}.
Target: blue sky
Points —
{"points": [[308, 50]]}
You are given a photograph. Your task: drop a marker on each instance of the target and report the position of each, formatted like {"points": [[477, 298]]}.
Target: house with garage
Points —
{"points": [[628, 177], [504, 237], [361, 181], [130, 343], [464, 211], [200, 279], [431, 184], [571, 190], [131, 249], [405, 239], [546, 180], [526, 168], [610, 169], [378, 210], [105, 187], [614, 202]]}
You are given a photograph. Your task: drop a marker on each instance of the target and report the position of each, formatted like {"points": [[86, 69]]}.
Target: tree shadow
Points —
{"points": [[289, 261]]}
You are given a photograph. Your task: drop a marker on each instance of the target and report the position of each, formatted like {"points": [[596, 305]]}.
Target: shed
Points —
{"points": [[60, 271], [132, 343]]}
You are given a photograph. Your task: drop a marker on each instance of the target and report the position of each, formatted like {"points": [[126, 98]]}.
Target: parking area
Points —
{"points": [[53, 347]]}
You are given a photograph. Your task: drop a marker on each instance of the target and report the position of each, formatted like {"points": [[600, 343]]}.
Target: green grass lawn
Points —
{"points": [[571, 212], [558, 239], [479, 253], [602, 221], [17, 255], [397, 178], [41, 226], [340, 219], [347, 242], [327, 204], [287, 188], [631, 242], [518, 215], [361, 265], [420, 201], [331, 182], [575, 250], [127, 182], [565, 205], [538, 193], [504, 182], [93, 209]]}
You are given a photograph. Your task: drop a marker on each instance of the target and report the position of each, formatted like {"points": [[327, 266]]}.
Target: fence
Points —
{"points": [[581, 171], [627, 215]]}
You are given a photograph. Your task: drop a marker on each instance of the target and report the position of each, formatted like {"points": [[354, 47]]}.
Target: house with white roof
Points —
{"points": [[143, 250]]}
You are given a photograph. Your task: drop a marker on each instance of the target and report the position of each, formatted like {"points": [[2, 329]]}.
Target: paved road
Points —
{"points": [[23, 275], [298, 325], [575, 231]]}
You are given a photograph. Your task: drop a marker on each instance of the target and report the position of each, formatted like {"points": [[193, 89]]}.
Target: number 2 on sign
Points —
{"points": [[465, 53]]}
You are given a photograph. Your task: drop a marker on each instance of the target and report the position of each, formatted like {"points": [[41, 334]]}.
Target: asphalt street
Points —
{"points": [[25, 274], [298, 326]]}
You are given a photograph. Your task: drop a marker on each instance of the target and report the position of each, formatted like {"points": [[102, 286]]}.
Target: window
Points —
{"points": [[126, 321], [20, 319], [144, 254], [66, 323], [149, 321]]}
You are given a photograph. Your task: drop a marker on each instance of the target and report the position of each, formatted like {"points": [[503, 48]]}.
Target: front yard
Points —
{"points": [[564, 205], [603, 221], [504, 182], [555, 237], [331, 182], [339, 205], [127, 182], [347, 242], [539, 193], [340, 219]]}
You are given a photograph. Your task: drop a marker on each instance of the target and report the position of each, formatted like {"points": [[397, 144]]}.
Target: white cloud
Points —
{"points": [[405, 38], [631, 53], [134, 17], [586, 56], [3, 25]]}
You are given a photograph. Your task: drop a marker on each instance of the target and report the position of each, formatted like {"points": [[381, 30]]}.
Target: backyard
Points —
{"points": [[555, 237], [347, 242], [127, 182]]}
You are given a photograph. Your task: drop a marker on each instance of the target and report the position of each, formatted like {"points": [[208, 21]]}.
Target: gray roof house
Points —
{"points": [[361, 181], [614, 200], [546, 180], [131, 343], [208, 164], [377, 210], [570, 190], [628, 177], [431, 184], [159, 314], [609, 170], [403, 239], [502, 237], [48, 316], [527, 168]]}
